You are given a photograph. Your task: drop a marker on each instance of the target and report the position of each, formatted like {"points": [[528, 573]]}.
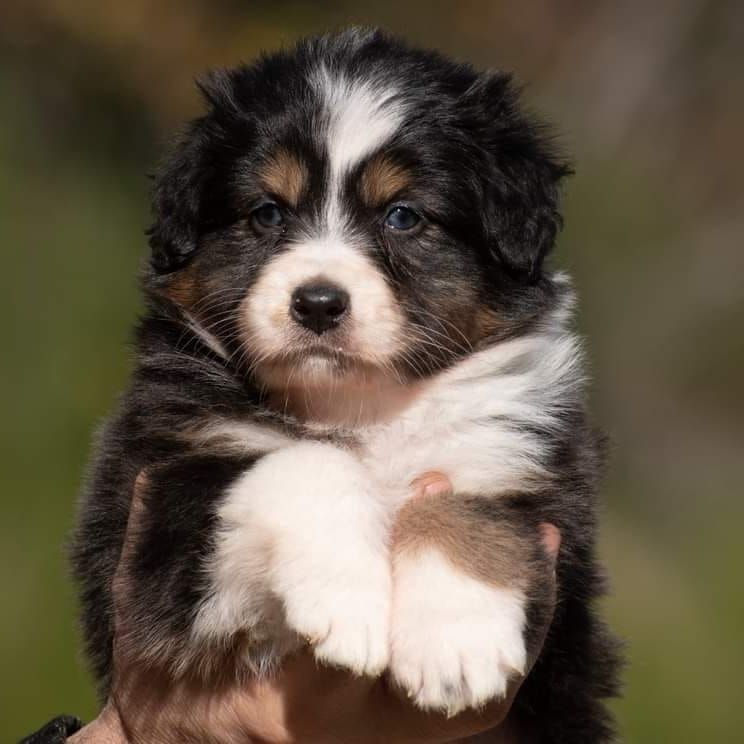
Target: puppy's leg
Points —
{"points": [[467, 573], [304, 527]]}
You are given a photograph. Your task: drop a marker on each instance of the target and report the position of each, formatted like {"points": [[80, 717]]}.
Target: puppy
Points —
{"points": [[346, 292]]}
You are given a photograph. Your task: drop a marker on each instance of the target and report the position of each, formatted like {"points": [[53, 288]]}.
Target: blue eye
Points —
{"points": [[402, 218], [267, 216]]}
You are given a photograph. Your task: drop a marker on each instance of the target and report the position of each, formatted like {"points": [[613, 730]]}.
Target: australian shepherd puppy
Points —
{"points": [[347, 291]]}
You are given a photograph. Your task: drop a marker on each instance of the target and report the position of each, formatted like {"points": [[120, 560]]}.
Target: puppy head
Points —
{"points": [[355, 209]]}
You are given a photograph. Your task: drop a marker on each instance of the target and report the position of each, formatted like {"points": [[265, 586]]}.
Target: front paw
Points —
{"points": [[456, 641], [304, 531], [343, 610]]}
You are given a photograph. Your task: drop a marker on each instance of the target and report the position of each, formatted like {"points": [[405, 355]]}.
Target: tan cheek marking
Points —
{"points": [[486, 324], [381, 180], [285, 176], [182, 288], [484, 548]]}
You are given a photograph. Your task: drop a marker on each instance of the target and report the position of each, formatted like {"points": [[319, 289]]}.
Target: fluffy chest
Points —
{"points": [[484, 425], [489, 423], [395, 457]]}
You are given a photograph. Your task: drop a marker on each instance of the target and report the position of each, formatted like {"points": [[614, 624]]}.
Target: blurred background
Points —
{"points": [[649, 98]]}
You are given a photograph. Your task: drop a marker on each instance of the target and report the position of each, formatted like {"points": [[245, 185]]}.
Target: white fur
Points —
{"points": [[242, 437], [456, 641], [463, 422], [361, 117], [473, 421], [208, 338], [373, 330], [303, 527]]}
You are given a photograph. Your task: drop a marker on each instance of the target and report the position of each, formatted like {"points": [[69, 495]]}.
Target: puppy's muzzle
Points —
{"points": [[319, 307]]}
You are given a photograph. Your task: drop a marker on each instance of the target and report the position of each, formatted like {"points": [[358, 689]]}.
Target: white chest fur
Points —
{"points": [[478, 422]]}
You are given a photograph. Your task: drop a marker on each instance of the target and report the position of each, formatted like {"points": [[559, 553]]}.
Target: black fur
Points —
{"points": [[487, 181]]}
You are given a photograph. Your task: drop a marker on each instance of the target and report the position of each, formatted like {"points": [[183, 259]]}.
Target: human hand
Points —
{"points": [[303, 702]]}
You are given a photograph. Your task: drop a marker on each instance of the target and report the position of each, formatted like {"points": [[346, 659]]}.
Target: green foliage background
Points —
{"points": [[649, 99]]}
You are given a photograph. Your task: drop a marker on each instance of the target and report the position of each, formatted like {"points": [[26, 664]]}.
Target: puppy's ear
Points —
{"points": [[523, 175], [176, 201], [183, 179]]}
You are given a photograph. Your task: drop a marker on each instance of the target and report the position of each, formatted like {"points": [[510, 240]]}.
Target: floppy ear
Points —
{"points": [[523, 178], [176, 201], [182, 182]]}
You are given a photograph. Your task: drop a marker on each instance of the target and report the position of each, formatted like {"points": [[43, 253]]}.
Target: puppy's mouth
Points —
{"points": [[314, 363], [325, 384], [335, 356]]}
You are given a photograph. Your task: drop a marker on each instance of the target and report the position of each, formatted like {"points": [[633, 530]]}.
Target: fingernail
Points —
{"points": [[437, 488]]}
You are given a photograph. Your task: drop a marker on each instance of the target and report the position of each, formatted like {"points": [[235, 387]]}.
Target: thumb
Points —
{"points": [[106, 729]]}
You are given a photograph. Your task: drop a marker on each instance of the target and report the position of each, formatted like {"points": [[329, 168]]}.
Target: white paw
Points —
{"points": [[456, 641], [303, 532], [344, 614]]}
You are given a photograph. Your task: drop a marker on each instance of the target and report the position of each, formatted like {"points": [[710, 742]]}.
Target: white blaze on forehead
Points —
{"points": [[361, 116]]}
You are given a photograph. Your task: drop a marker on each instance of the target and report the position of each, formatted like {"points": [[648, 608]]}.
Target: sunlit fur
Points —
{"points": [[462, 653], [278, 457]]}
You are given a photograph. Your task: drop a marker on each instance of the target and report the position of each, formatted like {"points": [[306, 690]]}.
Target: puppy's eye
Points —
{"points": [[267, 216], [401, 218]]}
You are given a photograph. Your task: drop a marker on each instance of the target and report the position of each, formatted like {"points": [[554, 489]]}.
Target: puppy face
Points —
{"points": [[355, 210]]}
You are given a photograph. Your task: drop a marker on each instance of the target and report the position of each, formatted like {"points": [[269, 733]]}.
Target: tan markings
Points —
{"points": [[285, 176], [182, 287], [486, 325], [382, 179], [480, 544]]}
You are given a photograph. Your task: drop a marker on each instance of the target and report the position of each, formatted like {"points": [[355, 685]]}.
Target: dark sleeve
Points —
{"points": [[55, 732]]}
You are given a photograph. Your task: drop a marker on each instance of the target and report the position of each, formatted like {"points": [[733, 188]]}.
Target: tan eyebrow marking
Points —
{"points": [[286, 176], [382, 178]]}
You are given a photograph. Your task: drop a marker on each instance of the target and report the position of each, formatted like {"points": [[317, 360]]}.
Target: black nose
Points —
{"points": [[319, 306]]}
